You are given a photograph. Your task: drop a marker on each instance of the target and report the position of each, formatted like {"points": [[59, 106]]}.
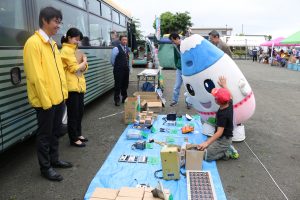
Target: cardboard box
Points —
{"points": [[155, 106], [193, 158], [131, 192], [151, 198], [129, 198], [130, 110], [104, 193], [148, 189], [148, 194], [147, 97], [170, 160]]}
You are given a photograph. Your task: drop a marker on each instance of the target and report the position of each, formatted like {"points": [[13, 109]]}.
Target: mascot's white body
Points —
{"points": [[202, 65]]}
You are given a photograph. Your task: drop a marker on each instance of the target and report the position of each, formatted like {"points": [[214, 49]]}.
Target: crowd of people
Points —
{"points": [[278, 57]]}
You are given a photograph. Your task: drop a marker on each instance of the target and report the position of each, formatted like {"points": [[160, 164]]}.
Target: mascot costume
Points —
{"points": [[202, 65]]}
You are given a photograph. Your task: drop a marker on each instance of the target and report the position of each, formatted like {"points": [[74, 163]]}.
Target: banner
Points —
{"points": [[157, 34]]}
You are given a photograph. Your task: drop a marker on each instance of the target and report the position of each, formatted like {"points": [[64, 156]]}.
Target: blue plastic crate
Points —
{"points": [[295, 67]]}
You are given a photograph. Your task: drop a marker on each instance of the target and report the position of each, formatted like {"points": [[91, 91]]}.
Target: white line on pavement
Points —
{"points": [[266, 170], [111, 115]]}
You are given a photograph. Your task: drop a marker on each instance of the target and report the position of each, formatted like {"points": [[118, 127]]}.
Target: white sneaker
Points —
{"points": [[174, 103]]}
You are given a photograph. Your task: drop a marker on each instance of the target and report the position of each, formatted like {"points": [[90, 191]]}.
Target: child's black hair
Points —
{"points": [[72, 32]]}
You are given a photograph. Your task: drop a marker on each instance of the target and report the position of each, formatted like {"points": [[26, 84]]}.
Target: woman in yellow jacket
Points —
{"points": [[75, 65]]}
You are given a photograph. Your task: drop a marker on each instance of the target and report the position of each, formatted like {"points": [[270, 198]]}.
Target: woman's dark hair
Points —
{"points": [[48, 14], [72, 32]]}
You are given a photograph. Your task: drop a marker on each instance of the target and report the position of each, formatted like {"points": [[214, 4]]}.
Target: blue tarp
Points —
{"points": [[114, 174]]}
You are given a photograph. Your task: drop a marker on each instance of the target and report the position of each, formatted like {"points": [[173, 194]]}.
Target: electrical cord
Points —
{"points": [[133, 147], [160, 170], [155, 174], [165, 120], [182, 173], [141, 184], [266, 170]]}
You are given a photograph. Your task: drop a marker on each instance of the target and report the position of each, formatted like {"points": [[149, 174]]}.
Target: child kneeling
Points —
{"points": [[219, 145]]}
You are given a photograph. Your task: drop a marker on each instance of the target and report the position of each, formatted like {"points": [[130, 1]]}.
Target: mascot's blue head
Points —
{"points": [[198, 54]]}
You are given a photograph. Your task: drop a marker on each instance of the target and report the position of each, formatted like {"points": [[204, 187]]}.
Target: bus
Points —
{"points": [[100, 21]]}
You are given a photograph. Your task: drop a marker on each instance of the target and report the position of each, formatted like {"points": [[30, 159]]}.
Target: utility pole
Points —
{"points": [[243, 29]]}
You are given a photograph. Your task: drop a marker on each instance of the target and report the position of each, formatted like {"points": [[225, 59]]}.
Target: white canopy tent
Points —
{"points": [[245, 41]]}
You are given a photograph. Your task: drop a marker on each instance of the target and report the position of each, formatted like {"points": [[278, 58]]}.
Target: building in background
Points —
{"points": [[225, 31], [246, 40]]}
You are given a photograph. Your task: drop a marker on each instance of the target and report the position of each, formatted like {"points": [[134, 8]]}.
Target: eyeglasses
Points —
{"points": [[58, 21]]}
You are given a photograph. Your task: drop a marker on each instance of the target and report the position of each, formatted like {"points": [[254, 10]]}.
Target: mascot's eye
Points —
{"points": [[189, 63], [190, 89], [209, 85]]}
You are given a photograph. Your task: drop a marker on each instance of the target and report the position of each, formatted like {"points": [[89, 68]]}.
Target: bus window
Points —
{"points": [[69, 19], [122, 20], [79, 3], [115, 17], [94, 7], [115, 34], [105, 11], [99, 31], [95, 31], [13, 23]]}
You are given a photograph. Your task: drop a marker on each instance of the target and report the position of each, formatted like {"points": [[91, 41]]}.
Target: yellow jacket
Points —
{"points": [[46, 81], [75, 81]]}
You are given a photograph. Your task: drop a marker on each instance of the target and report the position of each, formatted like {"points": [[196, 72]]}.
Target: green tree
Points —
{"points": [[137, 29], [269, 37], [182, 22], [178, 22]]}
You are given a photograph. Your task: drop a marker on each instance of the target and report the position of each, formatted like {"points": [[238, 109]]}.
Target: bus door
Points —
{"points": [[17, 117]]}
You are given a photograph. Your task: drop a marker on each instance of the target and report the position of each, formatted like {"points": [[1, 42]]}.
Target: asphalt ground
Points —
{"points": [[272, 134]]}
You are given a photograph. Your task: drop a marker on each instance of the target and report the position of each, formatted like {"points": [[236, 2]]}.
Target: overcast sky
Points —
{"points": [[270, 17]]}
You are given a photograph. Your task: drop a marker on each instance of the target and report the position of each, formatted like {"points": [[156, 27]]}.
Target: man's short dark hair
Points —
{"points": [[174, 36], [214, 33], [48, 14], [121, 36]]}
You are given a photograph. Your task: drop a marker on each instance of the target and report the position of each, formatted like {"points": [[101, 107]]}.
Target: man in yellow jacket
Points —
{"points": [[47, 90]]}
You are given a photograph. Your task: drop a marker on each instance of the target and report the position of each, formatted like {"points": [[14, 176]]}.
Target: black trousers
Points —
{"points": [[49, 127], [121, 76], [75, 106], [254, 58]]}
